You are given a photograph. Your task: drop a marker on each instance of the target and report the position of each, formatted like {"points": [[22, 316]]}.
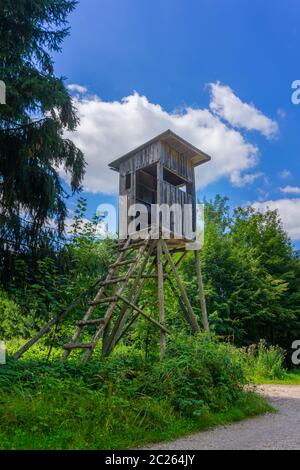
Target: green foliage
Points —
{"points": [[11, 318], [33, 125], [251, 275], [197, 375], [42, 292], [122, 402], [42, 288], [262, 363]]}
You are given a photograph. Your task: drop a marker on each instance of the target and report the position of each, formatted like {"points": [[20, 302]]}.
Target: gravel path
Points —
{"points": [[269, 432]]}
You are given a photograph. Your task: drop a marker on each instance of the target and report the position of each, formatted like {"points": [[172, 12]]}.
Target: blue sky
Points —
{"points": [[193, 65]]}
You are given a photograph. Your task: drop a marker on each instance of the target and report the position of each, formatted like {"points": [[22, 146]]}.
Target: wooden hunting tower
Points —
{"points": [[159, 172]]}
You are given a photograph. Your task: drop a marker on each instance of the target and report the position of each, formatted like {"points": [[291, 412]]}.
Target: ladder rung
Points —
{"points": [[133, 246], [113, 281], [148, 276], [107, 300], [90, 322], [79, 346], [124, 263], [122, 243]]}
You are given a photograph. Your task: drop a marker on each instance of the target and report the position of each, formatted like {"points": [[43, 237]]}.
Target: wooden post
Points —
{"points": [[112, 305], [201, 293], [185, 298], [161, 302], [134, 294], [180, 301], [105, 337], [120, 328], [145, 315]]}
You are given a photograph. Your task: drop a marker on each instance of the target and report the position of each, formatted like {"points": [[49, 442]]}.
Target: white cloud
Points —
{"points": [[110, 129], [289, 211], [77, 88], [241, 115], [281, 113], [290, 190], [264, 194], [285, 174], [242, 180]]}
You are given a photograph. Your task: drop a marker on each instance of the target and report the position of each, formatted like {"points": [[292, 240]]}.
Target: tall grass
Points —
{"points": [[262, 363]]}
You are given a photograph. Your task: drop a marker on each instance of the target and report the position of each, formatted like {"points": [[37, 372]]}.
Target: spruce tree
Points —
{"points": [[34, 121]]}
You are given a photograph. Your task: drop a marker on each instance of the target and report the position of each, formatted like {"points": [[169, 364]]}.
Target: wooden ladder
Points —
{"points": [[119, 284]]}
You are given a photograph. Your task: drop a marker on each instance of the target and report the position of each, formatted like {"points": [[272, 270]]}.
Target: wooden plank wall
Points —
{"points": [[177, 163], [170, 158], [145, 157], [172, 195]]}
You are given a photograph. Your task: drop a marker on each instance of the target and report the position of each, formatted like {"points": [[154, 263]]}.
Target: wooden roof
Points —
{"points": [[174, 141]]}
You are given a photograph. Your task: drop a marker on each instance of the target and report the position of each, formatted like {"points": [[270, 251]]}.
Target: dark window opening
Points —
{"points": [[146, 185], [177, 181], [128, 182], [172, 222], [146, 188]]}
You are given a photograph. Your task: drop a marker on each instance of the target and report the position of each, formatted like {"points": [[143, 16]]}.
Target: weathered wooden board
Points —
{"points": [[176, 162], [141, 159]]}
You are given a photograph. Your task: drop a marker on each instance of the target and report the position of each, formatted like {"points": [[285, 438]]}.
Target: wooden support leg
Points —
{"points": [[180, 301], [105, 337], [145, 315], [201, 293], [122, 328], [119, 328], [161, 302], [134, 294], [113, 304], [185, 298]]}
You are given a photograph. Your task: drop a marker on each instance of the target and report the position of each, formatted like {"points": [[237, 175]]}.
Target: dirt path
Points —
{"points": [[269, 432]]}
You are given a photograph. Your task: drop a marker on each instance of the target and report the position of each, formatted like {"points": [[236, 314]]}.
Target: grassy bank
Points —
{"points": [[287, 378], [123, 402], [83, 420]]}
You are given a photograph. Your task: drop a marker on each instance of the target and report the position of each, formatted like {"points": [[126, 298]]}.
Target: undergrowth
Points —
{"points": [[125, 401]]}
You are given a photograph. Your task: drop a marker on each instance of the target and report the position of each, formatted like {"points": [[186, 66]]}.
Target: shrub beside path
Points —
{"points": [[278, 431]]}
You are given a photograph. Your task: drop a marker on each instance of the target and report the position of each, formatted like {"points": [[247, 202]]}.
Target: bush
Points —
{"points": [[197, 376]]}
